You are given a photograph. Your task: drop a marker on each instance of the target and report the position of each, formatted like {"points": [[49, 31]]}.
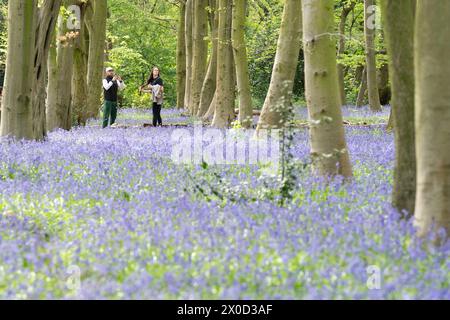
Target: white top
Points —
{"points": [[107, 85]]}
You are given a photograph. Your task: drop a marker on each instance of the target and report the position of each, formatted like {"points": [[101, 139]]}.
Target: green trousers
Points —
{"points": [[109, 111]]}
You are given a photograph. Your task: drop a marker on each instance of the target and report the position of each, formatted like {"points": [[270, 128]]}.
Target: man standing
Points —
{"points": [[111, 85]]}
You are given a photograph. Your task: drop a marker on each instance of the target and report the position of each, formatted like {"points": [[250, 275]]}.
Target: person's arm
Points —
{"points": [[161, 83], [107, 85], [148, 85], [121, 84]]}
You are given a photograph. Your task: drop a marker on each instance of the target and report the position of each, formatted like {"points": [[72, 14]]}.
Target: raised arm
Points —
{"points": [[107, 85]]}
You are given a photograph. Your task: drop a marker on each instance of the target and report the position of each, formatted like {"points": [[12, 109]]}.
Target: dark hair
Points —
{"points": [[151, 79]]}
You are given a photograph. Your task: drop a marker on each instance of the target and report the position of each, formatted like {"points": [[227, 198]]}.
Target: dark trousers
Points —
{"points": [[157, 120], [109, 111]]}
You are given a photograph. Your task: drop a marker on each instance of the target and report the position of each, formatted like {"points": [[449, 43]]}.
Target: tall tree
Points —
{"points": [[30, 31], [47, 14], [371, 64], [362, 89], [347, 7], [96, 15], [432, 117], [80, 60], [398, 19], [199, 52], [283, 73], [209, 83], [189, 52], [328, 146], [240, 58], [60, 70], [17, 113], [181, 56], [225, 91]]}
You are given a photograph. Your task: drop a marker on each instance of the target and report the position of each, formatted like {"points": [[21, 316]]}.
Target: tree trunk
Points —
{"points": [[362, 89], [432, 117], [279, 95], [60, 70], [189, 52], [371, 64], [79, 84], [181, 56], [225, 91], [341, 49], [240, 57], [211, 109], [328, 146], [47, 17], [96, 25], [398, 18], [17, 112], [200, 52], [384, 89], [209, 84]]}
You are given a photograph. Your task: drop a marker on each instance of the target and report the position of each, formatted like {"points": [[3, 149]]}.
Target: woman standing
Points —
{"points": [[156, 84]]}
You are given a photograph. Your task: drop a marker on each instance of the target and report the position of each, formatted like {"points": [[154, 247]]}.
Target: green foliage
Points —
{"points": [[142, 34], [262, 31], [354, 56]]}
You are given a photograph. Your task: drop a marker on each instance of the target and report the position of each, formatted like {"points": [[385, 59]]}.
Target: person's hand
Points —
{"points": [[115, 78]]}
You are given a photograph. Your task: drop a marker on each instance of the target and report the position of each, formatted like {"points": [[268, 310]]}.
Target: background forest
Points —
{"points": [[144, 33]]}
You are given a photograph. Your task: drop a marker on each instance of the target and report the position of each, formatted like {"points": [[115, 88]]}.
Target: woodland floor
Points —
{"points": [[97, 214]]}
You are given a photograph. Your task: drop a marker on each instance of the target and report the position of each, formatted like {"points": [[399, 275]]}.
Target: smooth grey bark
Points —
{"points": [[432, 116], [398, 19], [327, 137], [209, 84], [245, 116], [371, 65], [181, 56], [346, 9], [225, 90], [279, 95], [96, 16], [60, 71], [189, 52], [79, 80], [17, 113], [46, 22], [200, 52]]}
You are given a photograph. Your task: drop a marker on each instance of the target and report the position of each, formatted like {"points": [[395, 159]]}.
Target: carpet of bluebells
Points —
{"points": [[106, 214]]}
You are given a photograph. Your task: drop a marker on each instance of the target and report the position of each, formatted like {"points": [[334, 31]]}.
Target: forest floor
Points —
{"points": [[95, 213]]}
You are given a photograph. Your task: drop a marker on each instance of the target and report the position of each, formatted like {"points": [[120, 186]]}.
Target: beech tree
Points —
{"points": [[96, 14], [328, 146], [398, 18], [240, 58], [181, 55], [371, 65], [30, 30], [432, 117], [189, 52], [199, 52], [80, 61], [225, 90], [347, 8], [60, 70], [209, 83], [283, 73]]}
